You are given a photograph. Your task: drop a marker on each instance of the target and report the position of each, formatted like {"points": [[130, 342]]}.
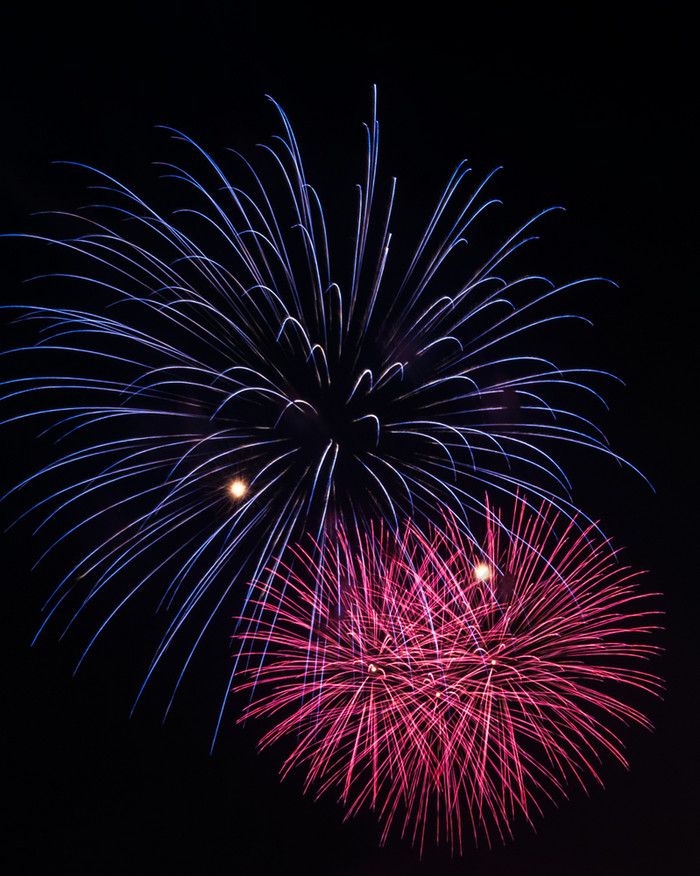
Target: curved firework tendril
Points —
{"points": [[227, 392], [446, 682]]}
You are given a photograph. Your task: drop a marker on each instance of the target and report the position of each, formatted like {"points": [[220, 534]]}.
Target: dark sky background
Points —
{"points": [[592, 109]]}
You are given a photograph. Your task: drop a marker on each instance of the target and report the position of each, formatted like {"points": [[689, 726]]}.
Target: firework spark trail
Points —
{"points": [[220, 346], [446, 683]]}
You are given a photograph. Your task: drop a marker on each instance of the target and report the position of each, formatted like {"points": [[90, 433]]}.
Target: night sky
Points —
{"points": [[593, 110]]}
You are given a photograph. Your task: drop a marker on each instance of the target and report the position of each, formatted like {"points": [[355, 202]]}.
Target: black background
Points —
{"points": [[592, 108]]}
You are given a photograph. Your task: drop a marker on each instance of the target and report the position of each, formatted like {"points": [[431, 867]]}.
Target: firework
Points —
{"points": [[446, 684], [219, 388]]}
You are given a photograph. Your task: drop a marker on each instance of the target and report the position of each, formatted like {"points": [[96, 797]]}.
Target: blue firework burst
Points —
{"points": [[222, 384]]}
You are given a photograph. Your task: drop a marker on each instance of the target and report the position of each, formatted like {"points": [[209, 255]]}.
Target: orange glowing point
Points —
{"points": [[482, 572], [238, 488]]}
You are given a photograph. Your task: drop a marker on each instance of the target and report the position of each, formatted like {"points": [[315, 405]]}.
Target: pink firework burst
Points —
{"points": [[440, 685]]}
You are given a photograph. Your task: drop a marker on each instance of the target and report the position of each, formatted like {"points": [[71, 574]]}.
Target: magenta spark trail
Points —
{"points": [[442, 686]]}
